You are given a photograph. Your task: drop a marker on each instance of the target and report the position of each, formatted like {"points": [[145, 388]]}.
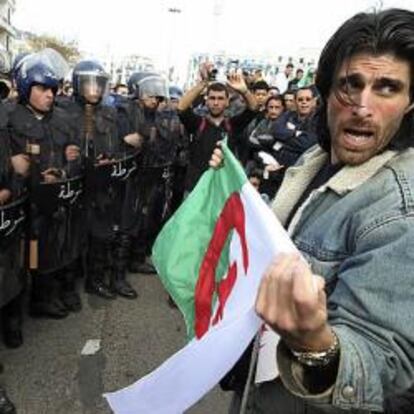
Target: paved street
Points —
{"points": [[48, 375]]}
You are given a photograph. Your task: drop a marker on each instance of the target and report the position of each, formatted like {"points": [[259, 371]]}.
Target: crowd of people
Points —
{"points": [[87, 179]]}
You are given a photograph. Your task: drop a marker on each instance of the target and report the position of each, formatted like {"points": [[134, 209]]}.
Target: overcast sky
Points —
{"points": [[146, 27]]}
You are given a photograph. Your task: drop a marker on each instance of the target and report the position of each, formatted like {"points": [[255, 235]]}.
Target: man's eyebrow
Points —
{"points": [[352, 77], [386, 80], [383, 80]]}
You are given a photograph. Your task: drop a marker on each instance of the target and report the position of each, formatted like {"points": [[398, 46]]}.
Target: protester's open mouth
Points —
{"points": [[358, 136]]}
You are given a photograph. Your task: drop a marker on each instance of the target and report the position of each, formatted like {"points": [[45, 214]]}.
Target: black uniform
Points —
{"points": [[56, 208], [110, 197], [154, 180], [12, 221], [181, 141]]}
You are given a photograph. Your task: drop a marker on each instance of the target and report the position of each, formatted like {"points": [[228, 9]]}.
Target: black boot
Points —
{"points": [[68, 294], [44, 301], [97, 260], [12, 332], [51, 310], [141, 267], [12, 319], [72, 301], [121, 286], [99, 288], [6, 406]]}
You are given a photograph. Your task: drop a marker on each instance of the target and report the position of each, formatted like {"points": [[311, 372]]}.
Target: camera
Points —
{"points": [[212, 75]]}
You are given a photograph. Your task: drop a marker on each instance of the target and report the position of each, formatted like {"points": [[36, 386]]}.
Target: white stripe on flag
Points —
{"points": [[189, 374]]}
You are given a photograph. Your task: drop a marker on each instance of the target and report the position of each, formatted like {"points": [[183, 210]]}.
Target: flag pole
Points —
{"points": [[252, 365]]}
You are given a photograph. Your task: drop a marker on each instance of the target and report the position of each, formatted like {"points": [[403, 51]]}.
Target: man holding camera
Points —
{"points": [[206, 130]]}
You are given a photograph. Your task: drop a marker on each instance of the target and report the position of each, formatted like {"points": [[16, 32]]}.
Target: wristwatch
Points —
{"points": [[318, 358]]}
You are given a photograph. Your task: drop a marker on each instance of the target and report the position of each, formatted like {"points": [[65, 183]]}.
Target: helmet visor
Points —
{"points": [[153, 86], [92, 87]]}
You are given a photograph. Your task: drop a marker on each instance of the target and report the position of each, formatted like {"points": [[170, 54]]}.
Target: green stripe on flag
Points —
{"points": [[182, 243]]}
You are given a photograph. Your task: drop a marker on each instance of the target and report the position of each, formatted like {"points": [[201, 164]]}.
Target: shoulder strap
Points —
{"points": [[227, 125], [202, 126]]}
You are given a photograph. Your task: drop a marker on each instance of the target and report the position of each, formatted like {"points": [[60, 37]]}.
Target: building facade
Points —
{"points": [[121, 68], [7, 30]]}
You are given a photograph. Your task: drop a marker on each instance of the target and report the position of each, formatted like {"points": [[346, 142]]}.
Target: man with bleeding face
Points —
{"points": [[342, 306]]}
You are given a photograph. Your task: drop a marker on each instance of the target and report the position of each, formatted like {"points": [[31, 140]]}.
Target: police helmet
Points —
{"points": [[17, 62], [175, 92], [134, 82], [90, 81], [153, 86], [35, 74]]}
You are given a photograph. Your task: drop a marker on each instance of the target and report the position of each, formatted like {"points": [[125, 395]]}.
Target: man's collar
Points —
{"points": [[298, 177], [350, 177]]}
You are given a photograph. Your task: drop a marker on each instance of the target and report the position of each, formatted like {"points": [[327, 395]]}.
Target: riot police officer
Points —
{"points": [[12, 277], [181, 141], [12, 217], [148, 90], [110, 162], [40, 133]]}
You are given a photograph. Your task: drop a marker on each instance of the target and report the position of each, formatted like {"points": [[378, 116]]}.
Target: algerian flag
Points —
{"points": [[210, 256]]}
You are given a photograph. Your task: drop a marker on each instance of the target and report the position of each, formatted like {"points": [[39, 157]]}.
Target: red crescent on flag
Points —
{"points": [[231, 217]]}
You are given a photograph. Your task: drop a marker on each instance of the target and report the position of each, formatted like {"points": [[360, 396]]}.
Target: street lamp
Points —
{"points": [[175, 11]]}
